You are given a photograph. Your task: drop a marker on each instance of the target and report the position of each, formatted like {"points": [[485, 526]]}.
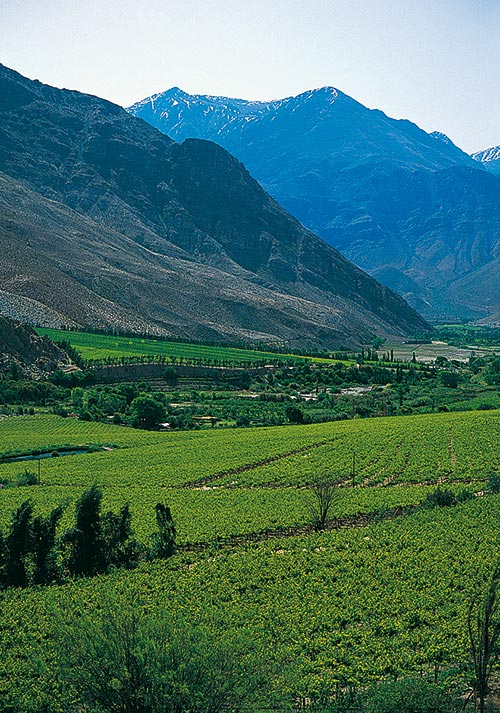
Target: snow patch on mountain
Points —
{"points": [[491, 154]]}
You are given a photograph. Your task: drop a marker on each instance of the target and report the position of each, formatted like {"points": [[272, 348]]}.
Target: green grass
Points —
{"points": [[103, 346]]}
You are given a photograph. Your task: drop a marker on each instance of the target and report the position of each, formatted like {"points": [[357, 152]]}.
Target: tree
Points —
{"points": [[449, 379], [294, 414], [120, 548], [44, 551], [85, 542], [18, 545], [164, 538], [323, 492], [147, 412], [484, 632]]}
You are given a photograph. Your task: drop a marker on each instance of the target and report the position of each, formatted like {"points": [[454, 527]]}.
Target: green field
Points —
{"points": [[104, 346], [359, 603]]}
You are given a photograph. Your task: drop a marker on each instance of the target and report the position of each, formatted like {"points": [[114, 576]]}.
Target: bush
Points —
{"points": [[410, 696], [494, 483], [441, 497], [125, 658], [26, 478]]}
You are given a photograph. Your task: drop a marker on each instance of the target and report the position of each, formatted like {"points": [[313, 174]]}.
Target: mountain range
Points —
{"points": [[409, 207], [106, 222]]}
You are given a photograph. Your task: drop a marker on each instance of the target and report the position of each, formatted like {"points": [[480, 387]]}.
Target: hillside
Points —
{"points": [[107, 222], [22, 349], [409, 207]]}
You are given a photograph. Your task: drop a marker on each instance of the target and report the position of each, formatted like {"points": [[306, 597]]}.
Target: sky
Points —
{"points": [[435, 62]]}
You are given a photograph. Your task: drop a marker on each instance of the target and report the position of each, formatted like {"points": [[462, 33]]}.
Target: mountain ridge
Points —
{"points": [[131, 221], [385, 193]]}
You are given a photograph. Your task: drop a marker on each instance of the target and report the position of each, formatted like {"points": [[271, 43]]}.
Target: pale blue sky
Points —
{"points": [[436, 62]]}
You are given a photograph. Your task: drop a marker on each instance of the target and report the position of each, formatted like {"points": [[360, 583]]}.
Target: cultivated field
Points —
{"points": [[106, 346], [383, 594]]}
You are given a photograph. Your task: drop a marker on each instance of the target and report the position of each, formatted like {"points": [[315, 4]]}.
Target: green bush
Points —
{"points": [[494, 483], [441, 497], [410, 696]]}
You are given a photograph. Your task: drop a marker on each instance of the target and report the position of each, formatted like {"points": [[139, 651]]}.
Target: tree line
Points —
{"points": [[31, 553]]}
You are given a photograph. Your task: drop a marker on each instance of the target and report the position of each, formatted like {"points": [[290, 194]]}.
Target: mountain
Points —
{"points": [[107, 222], [409, 207], [29, 354], [489, 159]]}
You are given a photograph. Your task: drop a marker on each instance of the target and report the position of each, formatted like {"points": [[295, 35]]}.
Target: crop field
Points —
{"points": [[384, 594], [104, 346]]}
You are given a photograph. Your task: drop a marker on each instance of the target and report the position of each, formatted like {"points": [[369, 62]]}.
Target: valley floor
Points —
{"points": [[382, 592]]}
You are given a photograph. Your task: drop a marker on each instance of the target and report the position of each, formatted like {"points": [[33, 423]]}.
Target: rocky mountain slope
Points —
{"points": [[29, 354], [489, 159], [409, 207], [105, 221]]}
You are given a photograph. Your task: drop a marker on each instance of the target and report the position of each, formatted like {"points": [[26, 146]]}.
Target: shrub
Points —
{"points": [[441, 497], [26, 478], [494, 483], [410, 696]]}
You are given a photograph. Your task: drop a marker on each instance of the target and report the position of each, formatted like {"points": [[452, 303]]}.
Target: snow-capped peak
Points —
{"points": [[491, 154]]}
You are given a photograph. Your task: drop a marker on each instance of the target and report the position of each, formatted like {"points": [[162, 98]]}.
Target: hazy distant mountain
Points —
{"points": [[409, 207], [105, 221], [489, 158]]}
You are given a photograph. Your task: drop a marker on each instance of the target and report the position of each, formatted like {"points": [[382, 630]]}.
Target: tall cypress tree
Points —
{"points": [[85, 542], [18, 545], [164, 539], [44, 540]]}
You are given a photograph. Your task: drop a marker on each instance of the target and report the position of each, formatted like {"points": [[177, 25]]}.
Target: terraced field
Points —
{"points": [[383, 595]]}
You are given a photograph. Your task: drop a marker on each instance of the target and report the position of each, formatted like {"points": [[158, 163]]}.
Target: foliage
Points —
{"points": [[494, 483], [441, 497], [164, 538], [411, 696], [125, 659], [120, 547], [84, 544], [147, 412], [18, 545], [45, 566], [323, 492], [484, 635], [27, 477]]}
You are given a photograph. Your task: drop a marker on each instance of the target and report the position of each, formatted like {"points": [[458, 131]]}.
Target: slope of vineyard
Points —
{"points": [[384, 593]]}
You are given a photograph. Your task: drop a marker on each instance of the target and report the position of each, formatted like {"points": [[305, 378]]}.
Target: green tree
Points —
{"points": [[484, 631], [44, 547], [120, 547], [295, 414], [18, 545], [164, 538], [147, 412], [85, 543]]}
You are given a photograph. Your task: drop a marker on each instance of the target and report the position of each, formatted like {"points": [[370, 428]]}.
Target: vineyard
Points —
{"points": [[102, 347], [383, 592]]}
